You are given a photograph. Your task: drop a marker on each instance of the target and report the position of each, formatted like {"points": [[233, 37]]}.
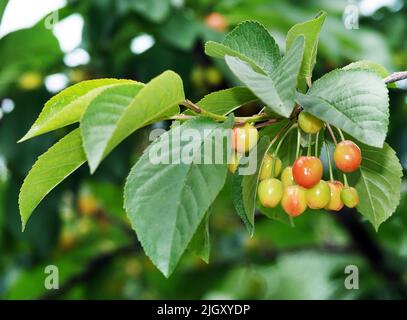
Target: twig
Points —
{"points": [[396, 76], [266, 123]]}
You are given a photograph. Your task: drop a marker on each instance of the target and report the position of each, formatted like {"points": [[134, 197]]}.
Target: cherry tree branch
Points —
{"points": [[396, 76]]}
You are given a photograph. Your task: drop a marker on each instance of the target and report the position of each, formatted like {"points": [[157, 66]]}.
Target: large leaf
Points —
{"points": [[354, 100], [310, 30], [100, 119], [244, 187], [3, 5], [224, 101], [159, 99], [373, 66], [51, 168], [378, 183], [154, 10], [250, 42], [278, 90], [167, 200], [68, 106]]}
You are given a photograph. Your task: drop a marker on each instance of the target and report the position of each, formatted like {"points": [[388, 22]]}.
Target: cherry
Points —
{"points": [[347, 156], [270, 192], [335, 203], [287, 178], [268, 163], [294, 200], [216, 21], [234, 163], [319, 195], [244, 138], [350, 197], [308, 123], [307, 171]]}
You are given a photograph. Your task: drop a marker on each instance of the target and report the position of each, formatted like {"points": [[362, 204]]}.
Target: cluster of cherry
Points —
{"points": [[301, 185]]}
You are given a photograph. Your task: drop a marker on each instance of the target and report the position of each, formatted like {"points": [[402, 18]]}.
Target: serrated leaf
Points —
{"points": [[310, 30], [225, 101], [51, 169], [159, 99], [244, 187], [373, 66], [250, 42], [378, 183], [200, 245], [167, 202], [277, 91], [100, 119], [354, 100], [68, 106]]}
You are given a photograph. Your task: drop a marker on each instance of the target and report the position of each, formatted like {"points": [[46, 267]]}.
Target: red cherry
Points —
{"points": [[307, 171], [347, 156]]}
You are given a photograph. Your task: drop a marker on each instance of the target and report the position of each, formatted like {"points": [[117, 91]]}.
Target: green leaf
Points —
{"points": [[373, 66], [51, 169], [100, 119], [68, 106], [3, 5], [167, 199], [277, 91], [354, 100], [276, 214], [106, 127], [250, 42], [244, 187], [310, 30], [225, 101], [378, 183], [200, 245]]}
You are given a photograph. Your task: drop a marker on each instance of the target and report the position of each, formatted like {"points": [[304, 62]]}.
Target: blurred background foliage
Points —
{"points": [[82, 228]]}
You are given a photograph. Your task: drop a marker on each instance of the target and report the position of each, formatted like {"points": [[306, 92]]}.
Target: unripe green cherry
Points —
{"points": [[268, 163], [270, 192], [287, 178], [319, 195], [350, 197], [244, 138], [308, 123], [335, 203], [294, 200]]}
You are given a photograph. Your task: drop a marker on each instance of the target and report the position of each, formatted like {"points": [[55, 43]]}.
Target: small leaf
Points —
{"points": [[378, 183], [310, 30], [167, 198], [354, 100], [159, 99], [244, 187], [277, 91], [51, 169], [250, 42], [200, 245], [68, 106], [225, 101]]}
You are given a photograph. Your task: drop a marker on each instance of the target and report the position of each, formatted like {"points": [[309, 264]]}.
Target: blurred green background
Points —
{"points": [[81, 226]]}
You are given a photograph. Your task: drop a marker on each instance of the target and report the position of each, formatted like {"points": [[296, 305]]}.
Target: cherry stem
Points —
{"points": [[332, 133], [297, 153], [309, 145], [275, 153], [328, 155], [345, 180], [341, 134], [316, 144]]}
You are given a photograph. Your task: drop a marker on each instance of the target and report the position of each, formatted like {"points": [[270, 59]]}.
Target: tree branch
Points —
{"points": [[396, 76]]}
